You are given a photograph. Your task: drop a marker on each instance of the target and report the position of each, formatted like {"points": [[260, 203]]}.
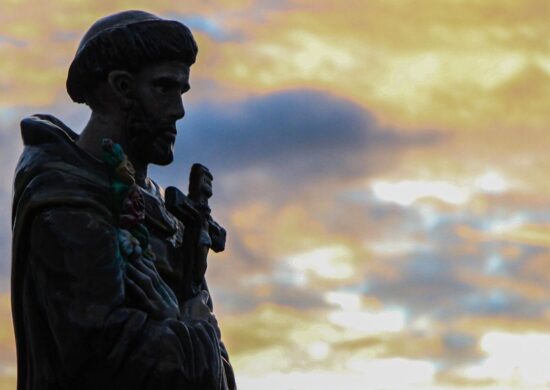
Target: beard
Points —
{"points": [[143, 135]]}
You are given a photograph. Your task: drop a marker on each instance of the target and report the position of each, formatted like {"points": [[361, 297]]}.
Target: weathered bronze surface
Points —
{"points": [[108, 279]]}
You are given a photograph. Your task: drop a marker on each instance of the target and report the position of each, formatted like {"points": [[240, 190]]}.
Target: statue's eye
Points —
{"points": [[165, 86]]}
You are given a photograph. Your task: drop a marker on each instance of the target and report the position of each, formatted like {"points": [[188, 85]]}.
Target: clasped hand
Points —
{"points": [[152, 295]]}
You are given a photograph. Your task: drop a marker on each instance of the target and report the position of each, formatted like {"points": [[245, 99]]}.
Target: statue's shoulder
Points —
{"points": [[40, 129], [50, 146], [53, 170]]}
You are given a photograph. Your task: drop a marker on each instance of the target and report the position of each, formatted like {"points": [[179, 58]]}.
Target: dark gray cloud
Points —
{"points": [[235, 298], [459, 341], [437, 294], [277, 128], [294, 137], [432, 281], [12, 41]]}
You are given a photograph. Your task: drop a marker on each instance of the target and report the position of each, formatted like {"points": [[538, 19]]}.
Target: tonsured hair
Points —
{"points": [[129, 47]]}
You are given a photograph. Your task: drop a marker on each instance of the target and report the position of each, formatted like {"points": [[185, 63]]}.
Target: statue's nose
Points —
{"points": [[178, 111]]}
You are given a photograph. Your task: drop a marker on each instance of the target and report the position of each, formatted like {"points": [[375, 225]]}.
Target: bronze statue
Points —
{"points": [[108, 287]]}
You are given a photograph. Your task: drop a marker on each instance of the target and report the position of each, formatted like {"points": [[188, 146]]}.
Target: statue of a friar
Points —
{"points": [[108, 288]]}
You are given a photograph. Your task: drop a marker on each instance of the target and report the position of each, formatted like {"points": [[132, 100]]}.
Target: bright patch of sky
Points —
{"points": [[332, 262], [513, 359], [407, 192], [359, 374]]}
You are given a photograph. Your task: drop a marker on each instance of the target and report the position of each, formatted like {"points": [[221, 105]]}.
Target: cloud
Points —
{"points": [[435, 64], [12, 41], [300, 109], [454, 274], [286, 126], [513, 359], [295, 137], [210, 26]]}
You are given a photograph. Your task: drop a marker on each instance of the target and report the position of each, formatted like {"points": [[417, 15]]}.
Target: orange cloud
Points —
{"points": [[447, 65]]}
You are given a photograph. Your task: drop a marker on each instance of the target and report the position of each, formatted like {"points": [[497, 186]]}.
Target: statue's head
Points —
{"points": [[136, 65]]}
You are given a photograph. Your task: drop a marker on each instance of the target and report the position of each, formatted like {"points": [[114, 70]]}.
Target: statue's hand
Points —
{"points": [[197, 308], [188, 212], [148, 292]]}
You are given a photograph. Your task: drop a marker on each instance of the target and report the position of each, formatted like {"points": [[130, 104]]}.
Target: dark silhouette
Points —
{"points": [[108, 287]]}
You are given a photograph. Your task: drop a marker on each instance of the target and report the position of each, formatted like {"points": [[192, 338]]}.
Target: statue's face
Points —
{"points": [[157, 106]]}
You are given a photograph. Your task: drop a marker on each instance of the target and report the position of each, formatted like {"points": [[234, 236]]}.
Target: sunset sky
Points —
{"points": [[382, 168]]}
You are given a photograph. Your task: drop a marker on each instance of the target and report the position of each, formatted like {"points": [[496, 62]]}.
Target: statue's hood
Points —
{"points": [[47, 139], [42, 128], [53, 169], [49, 143]]}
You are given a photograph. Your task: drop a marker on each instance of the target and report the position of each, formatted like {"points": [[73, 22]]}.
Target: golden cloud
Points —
{"points": [[446, 65]]}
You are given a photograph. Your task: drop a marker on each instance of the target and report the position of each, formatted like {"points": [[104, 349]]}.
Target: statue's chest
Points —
{"points": [[166, 236]]}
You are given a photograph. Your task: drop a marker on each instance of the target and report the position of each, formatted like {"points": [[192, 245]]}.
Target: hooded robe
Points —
{"points": [[75, 325]]}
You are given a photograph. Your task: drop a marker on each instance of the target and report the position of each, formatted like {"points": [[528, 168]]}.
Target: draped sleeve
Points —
{"points": [[75, 298]]}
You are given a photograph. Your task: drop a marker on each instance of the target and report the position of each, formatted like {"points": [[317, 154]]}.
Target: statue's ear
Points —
{"points": [[122, 84]]}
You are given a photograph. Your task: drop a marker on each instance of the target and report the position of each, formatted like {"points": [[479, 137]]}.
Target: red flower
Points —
{"points": [[133, 209]]}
